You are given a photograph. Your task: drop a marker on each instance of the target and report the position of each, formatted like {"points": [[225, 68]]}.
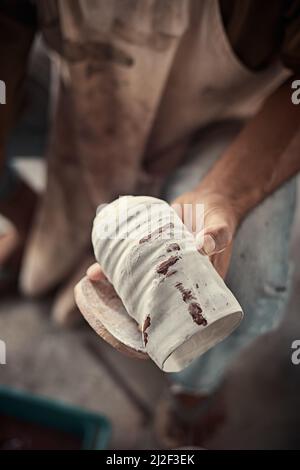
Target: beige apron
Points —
{"points": [[138, 79]]}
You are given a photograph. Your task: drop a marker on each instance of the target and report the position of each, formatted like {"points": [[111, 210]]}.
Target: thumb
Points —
{"points": [[214, 239], [95, 273]]}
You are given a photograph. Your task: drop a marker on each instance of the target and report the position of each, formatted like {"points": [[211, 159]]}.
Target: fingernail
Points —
{"points": [[209, 245]]}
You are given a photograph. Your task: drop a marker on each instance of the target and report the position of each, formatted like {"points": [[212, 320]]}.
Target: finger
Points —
{"points": [[213, 240], [95, 273], [221, 261], [177, 208]]}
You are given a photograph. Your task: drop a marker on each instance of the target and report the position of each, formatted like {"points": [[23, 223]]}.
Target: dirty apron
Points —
{"points": [[137, 80]]}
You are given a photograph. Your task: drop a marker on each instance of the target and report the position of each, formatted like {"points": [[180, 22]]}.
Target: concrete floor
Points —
{"points": [[262, 390], [78, 368]]}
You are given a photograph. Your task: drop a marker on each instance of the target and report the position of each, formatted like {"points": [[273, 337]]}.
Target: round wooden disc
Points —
{"points": [[104, 311]]}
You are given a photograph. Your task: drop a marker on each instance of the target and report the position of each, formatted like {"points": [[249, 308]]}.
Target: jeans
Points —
{"points": [[259, 273]]}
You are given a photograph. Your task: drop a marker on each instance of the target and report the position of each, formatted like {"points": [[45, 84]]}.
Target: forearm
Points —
{"points": [[264, 155]]}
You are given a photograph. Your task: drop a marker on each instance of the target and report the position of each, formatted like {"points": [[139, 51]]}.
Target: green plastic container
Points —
{"points": [[93, 429]]}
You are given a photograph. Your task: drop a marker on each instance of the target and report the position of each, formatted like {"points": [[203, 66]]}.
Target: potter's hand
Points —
{"points": [[215, 240], [260, 159], [220, 222], [95, 273]]}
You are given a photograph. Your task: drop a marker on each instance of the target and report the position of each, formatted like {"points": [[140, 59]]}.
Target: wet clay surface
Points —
{"points": [[156, 233]]}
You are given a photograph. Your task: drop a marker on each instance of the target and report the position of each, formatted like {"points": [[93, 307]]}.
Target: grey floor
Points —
{"points": [[262, 391]]}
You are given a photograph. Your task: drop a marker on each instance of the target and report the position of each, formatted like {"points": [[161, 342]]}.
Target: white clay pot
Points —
{"points": [[172, 292]]}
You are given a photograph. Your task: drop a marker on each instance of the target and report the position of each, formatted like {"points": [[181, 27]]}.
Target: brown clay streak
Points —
{"points": [[170, 273], [146, 325], [194, 308], [163, 267], [196, 312], [173, 247], [187, 295], [156, 233]]}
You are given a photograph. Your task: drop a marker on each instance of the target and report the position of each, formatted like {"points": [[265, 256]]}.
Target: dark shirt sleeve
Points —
{"points": [[260, 30], [17, 30], [23, 11], [290, 51]]}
